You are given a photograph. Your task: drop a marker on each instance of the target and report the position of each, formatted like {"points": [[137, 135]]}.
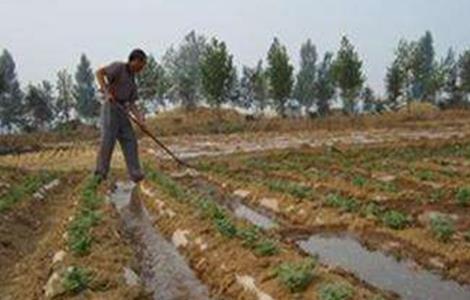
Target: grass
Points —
{"points": [[296, 276], [372, 210], [292, 188], [266, 247], [79, 230], [29, 185], [335, 291], [76, 280], [343, 203], [359, 181], [425, 175], [395, 219], [463, 196], [442, 227]]}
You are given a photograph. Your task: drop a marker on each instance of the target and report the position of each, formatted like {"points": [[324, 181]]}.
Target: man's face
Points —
{"points": [[137, 65]]}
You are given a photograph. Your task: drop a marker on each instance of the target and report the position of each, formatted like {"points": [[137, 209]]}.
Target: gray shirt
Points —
{"points": [[122, 82]]}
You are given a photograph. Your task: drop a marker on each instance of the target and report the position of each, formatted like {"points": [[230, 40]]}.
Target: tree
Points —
{"points": [[39, 109], [183, 66], [347, 71], [368, 97], [152, 82], [280, 75], [423, 67], [325, 85], [260, 86], [304, 90], [11, 96], [217, 73], [395, 82], [464, 72], [450, 77], [85, 91], [247, 88], [65, 100], [254, 87]]}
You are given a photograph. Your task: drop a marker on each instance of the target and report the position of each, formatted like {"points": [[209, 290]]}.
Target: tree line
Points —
{"points": [[201, 70]]}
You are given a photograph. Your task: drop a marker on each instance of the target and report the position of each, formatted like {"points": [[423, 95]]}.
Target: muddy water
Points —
{"points": [[383, 271], [260, 220], [163, 271], [230, 202]]}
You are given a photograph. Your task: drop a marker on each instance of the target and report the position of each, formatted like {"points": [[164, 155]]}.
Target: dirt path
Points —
{"points": [[84, 155]]}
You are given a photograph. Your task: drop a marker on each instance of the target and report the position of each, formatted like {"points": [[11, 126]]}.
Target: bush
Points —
{"points": [[442, 227], [345, 204], [296, 276], [395, 219], [372, 210], [336, 291], [76, 280], [266, 247], [225, 227], [463, 196], [359, 181], [292, 188]]}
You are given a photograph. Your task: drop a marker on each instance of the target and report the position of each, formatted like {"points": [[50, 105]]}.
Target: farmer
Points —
{"points": [[117, 83]]}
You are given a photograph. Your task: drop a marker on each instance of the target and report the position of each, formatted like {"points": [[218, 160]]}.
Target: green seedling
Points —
{"points": [[442, 227], [336, 291], [266, 247], [76, 280], [359, 181], [395, 219], [463, 196], [296, 276], [345, 204]]}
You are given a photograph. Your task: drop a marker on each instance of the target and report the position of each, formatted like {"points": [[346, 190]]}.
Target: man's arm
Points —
{"points": [[105, 76]]}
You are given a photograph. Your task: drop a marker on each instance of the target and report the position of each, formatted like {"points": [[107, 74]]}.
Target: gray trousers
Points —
{"points": [[116, 126]]}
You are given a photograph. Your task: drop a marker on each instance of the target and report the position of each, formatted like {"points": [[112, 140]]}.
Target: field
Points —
{"points": [[350, 212]]}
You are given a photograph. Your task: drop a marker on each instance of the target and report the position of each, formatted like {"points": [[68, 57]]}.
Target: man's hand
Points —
{"points": [[104, 86], [140, 117], [137, 113]]}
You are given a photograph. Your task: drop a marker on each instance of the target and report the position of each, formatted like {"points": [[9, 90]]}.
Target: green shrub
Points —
{"points": [[249, 236], [425, 175], [395, 219], [76, 280], [336, 291], [442, 227], [292, 188], [225, 227], [463, 196], [296, 276], [28, 186], [372, 210], [345, 204], [266, 247], [79, 230], [359, 181]]}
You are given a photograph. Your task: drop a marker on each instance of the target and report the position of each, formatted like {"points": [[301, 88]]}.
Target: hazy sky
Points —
{"points": [[47, 35]]}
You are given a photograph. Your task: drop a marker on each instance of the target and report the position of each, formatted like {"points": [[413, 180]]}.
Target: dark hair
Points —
{"points": [[137, 54]]}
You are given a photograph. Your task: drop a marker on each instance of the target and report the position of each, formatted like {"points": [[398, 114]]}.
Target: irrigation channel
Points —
{"points": [[346, 252], [163, 271]]}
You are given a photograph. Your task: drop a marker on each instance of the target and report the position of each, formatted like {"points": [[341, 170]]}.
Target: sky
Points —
{"points": [[45, 36]]}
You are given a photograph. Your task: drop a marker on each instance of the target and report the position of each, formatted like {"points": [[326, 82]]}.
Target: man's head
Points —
{"points": [[137, 60]]}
